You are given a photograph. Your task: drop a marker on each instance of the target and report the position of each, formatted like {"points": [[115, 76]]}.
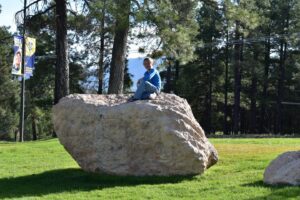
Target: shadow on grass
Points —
{"points": [[67, 180], [277, 191]]}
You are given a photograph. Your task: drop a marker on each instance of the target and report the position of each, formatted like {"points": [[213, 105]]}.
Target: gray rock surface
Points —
{"points": [[285, 169], [106, 134]]}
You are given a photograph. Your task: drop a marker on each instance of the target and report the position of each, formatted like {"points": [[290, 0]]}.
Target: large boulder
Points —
{"points": [[107, 134], [285, 169]]}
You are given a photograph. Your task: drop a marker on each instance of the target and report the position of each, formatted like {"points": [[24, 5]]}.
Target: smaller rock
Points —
{"points": [[284, 170]]}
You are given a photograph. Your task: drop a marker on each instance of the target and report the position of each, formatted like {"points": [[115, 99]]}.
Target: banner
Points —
{"points": [[29, 56], [17, 64]]}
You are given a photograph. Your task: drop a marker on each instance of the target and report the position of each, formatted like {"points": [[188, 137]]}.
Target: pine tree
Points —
{"points": [[9, 88]]}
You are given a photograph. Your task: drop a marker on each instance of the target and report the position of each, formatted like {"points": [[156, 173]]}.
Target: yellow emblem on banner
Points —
{"points": [[30, 46]]}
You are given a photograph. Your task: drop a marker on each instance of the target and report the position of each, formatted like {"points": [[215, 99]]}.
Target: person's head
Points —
{"points": [[148, 63], [18, 59]]}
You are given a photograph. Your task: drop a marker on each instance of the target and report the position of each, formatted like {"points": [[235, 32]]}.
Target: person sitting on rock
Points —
{"points": [[149, 86]]}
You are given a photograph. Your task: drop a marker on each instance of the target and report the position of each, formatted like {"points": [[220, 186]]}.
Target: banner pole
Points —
{"points": [[22, 106]]}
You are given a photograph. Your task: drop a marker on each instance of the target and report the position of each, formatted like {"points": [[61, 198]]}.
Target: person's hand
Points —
{"points": [[139, 81]]}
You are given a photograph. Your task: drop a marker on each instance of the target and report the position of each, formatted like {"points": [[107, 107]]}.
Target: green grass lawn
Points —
{"points": [[44, 170]]}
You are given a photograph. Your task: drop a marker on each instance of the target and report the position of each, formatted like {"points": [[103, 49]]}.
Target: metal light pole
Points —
{"points": [[22, 107]]}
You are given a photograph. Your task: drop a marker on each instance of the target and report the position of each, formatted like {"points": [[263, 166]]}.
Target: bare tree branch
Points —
{"points": [[137, 3], [34, 8], [28, 6], [42, 12]]}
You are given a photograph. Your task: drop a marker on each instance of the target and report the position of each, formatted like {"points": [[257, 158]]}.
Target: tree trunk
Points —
{"points": [[262, 128], [237, 81], [62, 66], [225, 127], [116, 79], [176, 76], [34, 128], [280, 89], [100, 76], [279, 93], [101, 58], [168, 78], [253, 96], [17, 133], [209, 106]]}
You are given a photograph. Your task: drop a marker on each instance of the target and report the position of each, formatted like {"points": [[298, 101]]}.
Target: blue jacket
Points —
{"points": [[153, 77]]}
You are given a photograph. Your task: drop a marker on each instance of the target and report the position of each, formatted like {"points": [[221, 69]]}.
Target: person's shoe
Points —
{"points": [[157, 92], [152, 96], [131, 99]]}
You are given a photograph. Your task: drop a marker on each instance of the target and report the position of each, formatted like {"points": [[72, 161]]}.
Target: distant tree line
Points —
{"points": [[246, 76]]}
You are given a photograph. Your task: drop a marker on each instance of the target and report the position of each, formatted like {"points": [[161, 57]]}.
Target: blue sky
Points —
{"points": [[10, 7], [8, 10]]}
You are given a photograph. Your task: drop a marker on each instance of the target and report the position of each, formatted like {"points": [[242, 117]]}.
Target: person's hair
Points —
{"points": [[149, 59], [18, 52]]}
